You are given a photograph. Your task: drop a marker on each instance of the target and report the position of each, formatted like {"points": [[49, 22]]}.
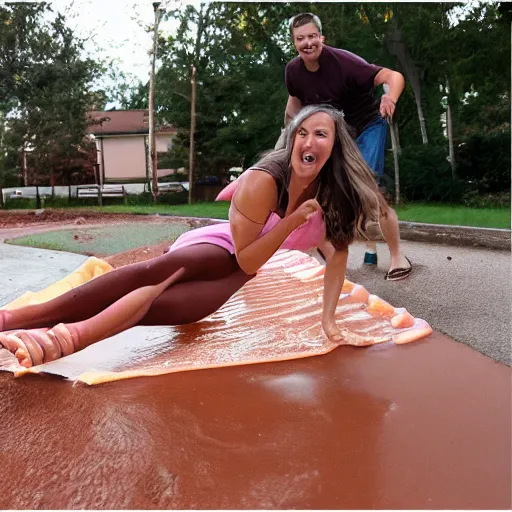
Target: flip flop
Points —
{"points": [[399, 273]]}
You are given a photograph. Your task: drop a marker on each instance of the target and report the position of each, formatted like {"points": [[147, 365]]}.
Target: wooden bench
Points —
{"points": [[84, 191]]}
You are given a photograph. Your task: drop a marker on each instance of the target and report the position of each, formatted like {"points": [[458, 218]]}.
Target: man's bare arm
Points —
{"points": [[293, 106], [395, 82]]}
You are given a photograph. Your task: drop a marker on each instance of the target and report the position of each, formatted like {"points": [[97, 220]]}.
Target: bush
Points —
{"points": [[173, 198], [425, 175], [29, 203], [65, 202], [474, 199], [163, 198], [139, 199], [21, 203], [484, 159]]}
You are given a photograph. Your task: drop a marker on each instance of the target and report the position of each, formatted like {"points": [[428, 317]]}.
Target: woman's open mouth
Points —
{"points": [[308, 158]]}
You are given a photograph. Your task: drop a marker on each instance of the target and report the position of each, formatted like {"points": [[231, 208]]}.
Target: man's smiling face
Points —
{"points": [[308, 42]]}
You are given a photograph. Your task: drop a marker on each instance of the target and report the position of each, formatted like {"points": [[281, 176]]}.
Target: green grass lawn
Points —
{"points": [[458, 215], [207, 210], [104, 240]]}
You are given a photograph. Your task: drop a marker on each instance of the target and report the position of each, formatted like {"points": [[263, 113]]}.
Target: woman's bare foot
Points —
{"points": [[37, 346], [3, 320]]}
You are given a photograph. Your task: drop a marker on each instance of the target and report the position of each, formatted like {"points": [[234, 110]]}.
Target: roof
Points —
{"points": [[124, 122]]}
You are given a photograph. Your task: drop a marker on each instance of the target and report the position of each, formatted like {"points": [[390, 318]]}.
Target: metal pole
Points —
{"points": [[152, 155], [101, 174], [192, 132]]}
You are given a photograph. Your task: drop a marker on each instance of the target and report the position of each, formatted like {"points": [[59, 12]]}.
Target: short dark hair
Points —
{"points": [[303, 19]]}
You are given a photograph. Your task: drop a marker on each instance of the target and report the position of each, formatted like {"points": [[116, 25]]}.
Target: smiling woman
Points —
{"points": [[316, 193]]}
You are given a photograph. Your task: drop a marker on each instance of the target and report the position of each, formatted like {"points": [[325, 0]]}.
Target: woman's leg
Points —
{"points": [[38, 346], [202, 261], [166, 303], [186, 303]]}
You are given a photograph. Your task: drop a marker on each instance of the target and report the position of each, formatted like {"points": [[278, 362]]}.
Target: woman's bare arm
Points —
{"points": [[253, 202], [334, 278]]}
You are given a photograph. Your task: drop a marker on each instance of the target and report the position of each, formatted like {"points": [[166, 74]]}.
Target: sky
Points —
{"points": [[115, 29]]}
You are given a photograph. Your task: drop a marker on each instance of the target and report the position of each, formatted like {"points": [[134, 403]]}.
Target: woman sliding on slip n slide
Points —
{"points": [[317, 193]]}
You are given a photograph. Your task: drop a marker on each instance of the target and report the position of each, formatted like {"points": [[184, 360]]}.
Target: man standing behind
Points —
{"points": [[322, 74]]}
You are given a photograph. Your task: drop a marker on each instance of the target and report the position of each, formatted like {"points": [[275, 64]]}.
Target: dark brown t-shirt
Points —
{"points": [[344, 81]]}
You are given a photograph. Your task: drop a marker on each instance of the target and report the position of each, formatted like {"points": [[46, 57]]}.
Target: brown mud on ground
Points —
{"points": [[136, 255], [420, 426], [33, 218]]}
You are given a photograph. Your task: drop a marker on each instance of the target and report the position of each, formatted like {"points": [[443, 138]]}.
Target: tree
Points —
{"points": [[45, 87], [239, 56]]}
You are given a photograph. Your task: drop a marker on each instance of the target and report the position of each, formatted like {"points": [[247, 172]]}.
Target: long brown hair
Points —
{"points": [[347, 192]]}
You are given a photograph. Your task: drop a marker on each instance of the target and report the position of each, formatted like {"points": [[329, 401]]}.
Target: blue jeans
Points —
{"points": [[372, 144]]}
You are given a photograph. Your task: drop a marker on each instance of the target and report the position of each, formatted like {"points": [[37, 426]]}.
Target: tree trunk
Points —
{"points": [[202, 24], [449, 129], [394, 145], [24, 172], [1, 197], [396, 46], [38, 198], [192, 131], [397, 140]]}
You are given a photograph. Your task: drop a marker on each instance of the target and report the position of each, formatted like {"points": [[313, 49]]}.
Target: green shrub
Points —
{"points": [[29, 203], [425, 174], [163, 198], [21, 203], [173, 198], [478, 200], [484, 159], [139, 199], [65, 202]]}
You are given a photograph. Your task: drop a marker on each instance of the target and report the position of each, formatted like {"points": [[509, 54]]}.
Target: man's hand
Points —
{"points": [[387, 106], [394, 84]]}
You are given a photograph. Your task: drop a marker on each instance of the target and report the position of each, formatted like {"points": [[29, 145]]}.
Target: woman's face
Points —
{"points": [[312, 146]]}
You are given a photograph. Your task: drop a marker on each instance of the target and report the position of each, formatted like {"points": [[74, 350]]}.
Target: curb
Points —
{"points": [[456, 235], [444, 234]]}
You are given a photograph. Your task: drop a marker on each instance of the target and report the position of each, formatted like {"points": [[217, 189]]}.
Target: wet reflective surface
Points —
{"points": [[275, 317], [424, 425]]}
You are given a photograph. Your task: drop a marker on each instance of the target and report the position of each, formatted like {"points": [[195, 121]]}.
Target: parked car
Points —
{"points": [[16, 194], [172, 187], [208, 180]]}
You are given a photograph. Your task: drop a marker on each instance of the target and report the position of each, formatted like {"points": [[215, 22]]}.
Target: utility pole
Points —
{"points": [[192, 132], [152, 154]]}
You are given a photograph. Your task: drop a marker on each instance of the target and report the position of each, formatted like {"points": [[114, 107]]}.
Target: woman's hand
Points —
{"points": [[305, 211], [251, 206], [332, 331], [333, 282]]}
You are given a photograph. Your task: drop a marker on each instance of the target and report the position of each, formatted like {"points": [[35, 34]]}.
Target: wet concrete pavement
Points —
{"points": [[464, 292], [28, 268]]}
